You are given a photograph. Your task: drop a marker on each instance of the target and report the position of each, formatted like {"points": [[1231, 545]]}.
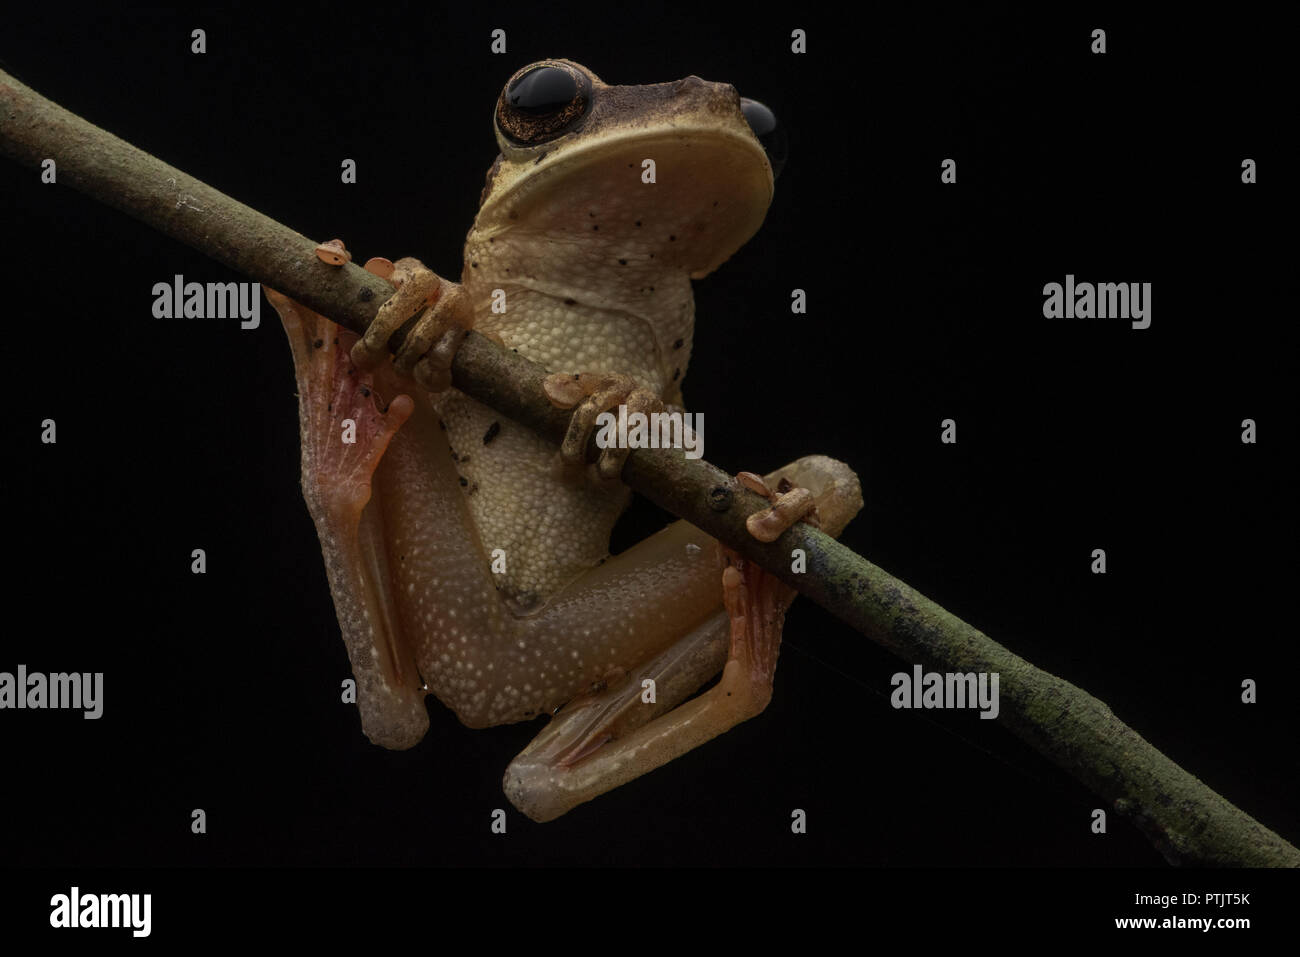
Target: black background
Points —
{"points": [[222, 690]]}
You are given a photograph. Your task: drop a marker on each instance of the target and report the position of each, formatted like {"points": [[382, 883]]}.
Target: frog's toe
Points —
{"points": [[817, 490], [790, 504], [345, 437], [333, 253], [795, 505]]}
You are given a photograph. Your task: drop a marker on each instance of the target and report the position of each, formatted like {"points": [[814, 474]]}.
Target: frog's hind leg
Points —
{"points": [[347, 418], [609, 738]]}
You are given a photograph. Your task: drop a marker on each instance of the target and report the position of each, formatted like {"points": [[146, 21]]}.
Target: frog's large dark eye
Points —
{"points": [[770, 133], [542, 101]]}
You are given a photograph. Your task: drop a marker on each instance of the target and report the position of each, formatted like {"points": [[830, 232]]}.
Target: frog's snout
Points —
{"points": [[770, 133]]}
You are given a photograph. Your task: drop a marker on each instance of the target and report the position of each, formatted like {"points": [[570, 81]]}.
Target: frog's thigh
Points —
{"points": [[605, 742]]}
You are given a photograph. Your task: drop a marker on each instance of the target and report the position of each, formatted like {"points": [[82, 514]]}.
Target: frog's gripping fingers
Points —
{"points": [[611, 461], [430, 345], [416, 286], [428, 350], [593, 395]]}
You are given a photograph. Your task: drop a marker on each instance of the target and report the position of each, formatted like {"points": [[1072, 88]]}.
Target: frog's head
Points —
{"points": [[577, 157]]}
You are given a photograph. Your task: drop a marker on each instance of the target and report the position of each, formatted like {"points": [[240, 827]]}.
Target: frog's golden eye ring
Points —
{"points": [[543, 101], [770, 133]]}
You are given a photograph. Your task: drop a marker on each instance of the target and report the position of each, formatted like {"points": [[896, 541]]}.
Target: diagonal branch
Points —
{"points": [[1187, 821]]}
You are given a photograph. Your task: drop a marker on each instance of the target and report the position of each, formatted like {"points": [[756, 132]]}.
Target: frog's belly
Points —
{"points": [[550, 527]]}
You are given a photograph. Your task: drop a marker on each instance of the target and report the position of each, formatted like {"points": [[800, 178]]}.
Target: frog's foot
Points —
{"points": [[442, 316], [348, 418], [790, 504], [594, 394]]}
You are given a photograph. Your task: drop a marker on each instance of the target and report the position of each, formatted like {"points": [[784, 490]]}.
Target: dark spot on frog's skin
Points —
{"points": [[679, 343], [672, 239], [318, 343], [365, 392], [401, 558], [676, 374], [336, 340], [622, 262], [442, 425], [330, 407], [492, 239], [637, 223], [592, 215], [603, 560], [473, 488], [570, 302], [463, 481], [365, 295], [473, 265], [491, 432], [595, 229], [652, 255], [652, 288], [514, 214], [715, 202]]}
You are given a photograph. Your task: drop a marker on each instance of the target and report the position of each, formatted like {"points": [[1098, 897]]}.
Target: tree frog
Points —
{"points": [[467, 558]]}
